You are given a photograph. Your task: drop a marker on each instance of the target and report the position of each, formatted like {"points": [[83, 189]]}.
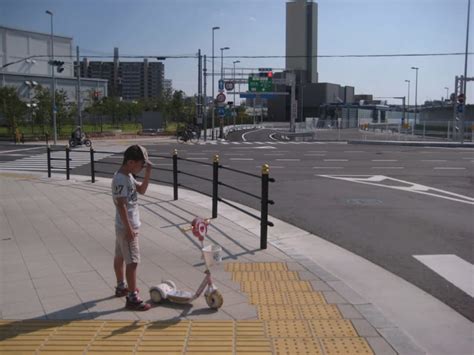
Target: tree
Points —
{"points": [[11, 107]]}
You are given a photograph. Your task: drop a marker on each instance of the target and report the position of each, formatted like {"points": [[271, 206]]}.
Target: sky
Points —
{"points": [[257, 28]]}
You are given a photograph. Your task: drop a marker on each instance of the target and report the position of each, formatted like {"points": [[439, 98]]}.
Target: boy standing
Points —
{"points": [[127, 223]]}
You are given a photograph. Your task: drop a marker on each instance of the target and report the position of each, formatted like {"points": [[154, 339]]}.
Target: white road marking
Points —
{"points": [[377, 180], [384, 160], [447, 168], [19, 150], [354, 151], [274, 154], [314, 155], [336, 160], [241, 158], [452, 268], [387, 167], [317, 151], [328, 167], [434, 160], [272, 167], [287, 159]]}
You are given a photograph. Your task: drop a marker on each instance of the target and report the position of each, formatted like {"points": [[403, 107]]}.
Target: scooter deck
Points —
{"points": [[179, 296]]}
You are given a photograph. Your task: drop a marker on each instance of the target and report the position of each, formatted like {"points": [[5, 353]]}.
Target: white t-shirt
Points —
{"points": [[125, 186]]}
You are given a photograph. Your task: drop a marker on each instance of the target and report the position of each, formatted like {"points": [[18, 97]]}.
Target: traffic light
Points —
{"points": [[59, 64], [60, 67], [270, 74]]}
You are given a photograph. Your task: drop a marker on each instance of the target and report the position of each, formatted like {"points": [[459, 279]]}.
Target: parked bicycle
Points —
{"points": [[189, 133]]}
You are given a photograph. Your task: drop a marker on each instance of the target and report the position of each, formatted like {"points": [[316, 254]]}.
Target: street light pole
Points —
{"points": [[235, 111], [213, 97], [53, 80], [416, 93], [221, 123], [447, 92]]}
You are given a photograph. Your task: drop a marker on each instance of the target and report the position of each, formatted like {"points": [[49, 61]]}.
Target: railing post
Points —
{"points": [[215, 184], [67, 162], [92, 164], [264, 207], [48, 154], [175, 174]]}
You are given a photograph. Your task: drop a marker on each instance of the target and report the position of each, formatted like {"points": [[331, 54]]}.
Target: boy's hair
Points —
{"points": [[135, 153]]}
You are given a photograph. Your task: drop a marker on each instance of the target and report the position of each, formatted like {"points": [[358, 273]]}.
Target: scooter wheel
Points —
{"points": [[214, 299], [155, 295], [72, 143], [88, 143]]}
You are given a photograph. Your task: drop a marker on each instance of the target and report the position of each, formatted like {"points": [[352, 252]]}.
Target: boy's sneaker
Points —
{"points": [[135, 303]]}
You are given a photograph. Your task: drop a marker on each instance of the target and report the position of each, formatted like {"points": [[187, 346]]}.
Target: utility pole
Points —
{"points": [[78, 71], [205, 99], [199, 97]]}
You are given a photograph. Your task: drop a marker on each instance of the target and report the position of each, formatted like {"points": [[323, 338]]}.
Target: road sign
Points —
{"points": [[229, 85], [220, 97], [221, 84], [221, 111], [260, 83], [263, 95]]}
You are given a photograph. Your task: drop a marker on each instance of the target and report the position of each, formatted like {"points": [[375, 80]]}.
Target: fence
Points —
{"points": [[175, 172]]}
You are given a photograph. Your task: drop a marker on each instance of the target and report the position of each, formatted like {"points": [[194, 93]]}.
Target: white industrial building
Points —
{"points": [[24, 57]]}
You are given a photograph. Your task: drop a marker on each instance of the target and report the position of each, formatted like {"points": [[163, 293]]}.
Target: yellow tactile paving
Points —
{"points": [[265, 275], [276, 312], [288, 329], [326, 328], [270, 266], [275, 286], [293, 319], [295, 346], [345, 346], [287, 298]]}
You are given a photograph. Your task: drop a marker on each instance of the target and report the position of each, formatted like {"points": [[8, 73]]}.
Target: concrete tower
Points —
{"points": [[302, 39]]}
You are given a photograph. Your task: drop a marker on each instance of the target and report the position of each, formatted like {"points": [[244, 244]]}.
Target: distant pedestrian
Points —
{"points": [[127, 223]]}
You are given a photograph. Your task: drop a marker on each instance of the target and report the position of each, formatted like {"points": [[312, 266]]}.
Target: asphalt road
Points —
{"points": [[384, 203]]}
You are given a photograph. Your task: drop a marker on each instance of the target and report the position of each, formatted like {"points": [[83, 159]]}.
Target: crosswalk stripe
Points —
{"points": [[39, 162]]}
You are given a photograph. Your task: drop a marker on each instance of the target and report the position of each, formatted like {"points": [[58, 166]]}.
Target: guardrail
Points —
{"points": [[175, 172]]}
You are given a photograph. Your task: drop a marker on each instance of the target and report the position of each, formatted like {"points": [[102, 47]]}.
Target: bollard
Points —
{"points": [[67, 162], [175, 175], [264, 207], [48, 154], [215, 184], [92, 165]]}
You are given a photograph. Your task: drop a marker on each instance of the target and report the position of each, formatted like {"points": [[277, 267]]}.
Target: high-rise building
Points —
{"points": [[302, 40], [129, 80]]}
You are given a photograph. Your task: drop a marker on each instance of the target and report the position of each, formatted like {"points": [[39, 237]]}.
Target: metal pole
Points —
{"points": [[213, 98], [92, 165], [67, 162], [464, 85], [264, 207], [215, 185], [205, 98], [48, 154], [416, 94], [53, 80], [175, 175], [199, 98], [78, 68]]}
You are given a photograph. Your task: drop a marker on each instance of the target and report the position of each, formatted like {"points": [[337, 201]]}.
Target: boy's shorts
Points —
{"points": [[129, 251]]}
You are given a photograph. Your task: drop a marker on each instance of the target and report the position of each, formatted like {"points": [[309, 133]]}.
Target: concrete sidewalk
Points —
{"points": [[57, 281]]}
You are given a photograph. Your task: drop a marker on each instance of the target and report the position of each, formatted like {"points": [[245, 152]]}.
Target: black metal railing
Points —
{"points": [[175, 182]]}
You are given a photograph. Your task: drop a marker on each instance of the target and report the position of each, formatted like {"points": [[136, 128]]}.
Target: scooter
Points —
{"points": [[83, 141], [211, 255]]}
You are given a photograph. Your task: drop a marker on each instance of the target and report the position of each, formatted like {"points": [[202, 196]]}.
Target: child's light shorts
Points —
{"points": [[129, 251]]}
